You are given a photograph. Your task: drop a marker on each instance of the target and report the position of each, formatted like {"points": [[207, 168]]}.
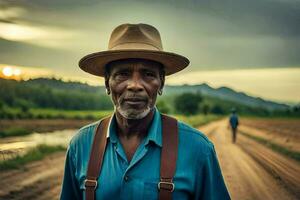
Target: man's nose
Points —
{"points": [[135, 83]]}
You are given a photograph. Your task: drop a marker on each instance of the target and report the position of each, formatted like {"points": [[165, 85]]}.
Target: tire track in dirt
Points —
{"points": [[286, 141], [35, 180], [282, 168], [244, 176]]}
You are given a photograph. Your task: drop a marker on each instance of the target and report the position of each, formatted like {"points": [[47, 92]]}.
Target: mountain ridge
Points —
{"points": [[222, 93]]}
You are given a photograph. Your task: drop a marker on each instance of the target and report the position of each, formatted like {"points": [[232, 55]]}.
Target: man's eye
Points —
{"points": [[151, 74], [122, 74]]}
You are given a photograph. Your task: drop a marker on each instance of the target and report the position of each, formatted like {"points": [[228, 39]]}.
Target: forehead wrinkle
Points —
{"points": [[135, 66]]}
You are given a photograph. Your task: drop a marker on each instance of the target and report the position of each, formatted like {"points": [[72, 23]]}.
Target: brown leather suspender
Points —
{"points": [[96, 158], [168, 158]]}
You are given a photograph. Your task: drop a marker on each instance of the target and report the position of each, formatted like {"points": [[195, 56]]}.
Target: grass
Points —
{"points": [[34, 154], [14, 131], [275, 147], [69, 114], [48, 113], [198, 120], [272, 117]]}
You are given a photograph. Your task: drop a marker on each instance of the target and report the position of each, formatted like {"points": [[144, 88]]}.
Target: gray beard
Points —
{"points": [[132, 113]]}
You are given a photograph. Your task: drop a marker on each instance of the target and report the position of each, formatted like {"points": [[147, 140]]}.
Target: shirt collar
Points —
{"points": [[154, 132]]}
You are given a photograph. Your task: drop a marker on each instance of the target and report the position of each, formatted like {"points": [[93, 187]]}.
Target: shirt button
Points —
{"points": [[126, 178]]}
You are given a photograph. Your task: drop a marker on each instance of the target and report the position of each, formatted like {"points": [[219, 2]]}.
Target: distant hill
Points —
{"points": [[226, 93], [217, 94], [52, 93], [61, 85]]}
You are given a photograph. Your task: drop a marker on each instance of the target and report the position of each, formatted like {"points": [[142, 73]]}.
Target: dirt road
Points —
{"points": [[251, 171], [38, 180]]}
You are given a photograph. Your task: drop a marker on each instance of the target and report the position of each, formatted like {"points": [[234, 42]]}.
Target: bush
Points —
{"points": [[78, 117], [10, 115], [205, 109], [40, 116], [163, 107], [14, 131], [34, 154], [89, 117], [188, 103], [217, 109]]}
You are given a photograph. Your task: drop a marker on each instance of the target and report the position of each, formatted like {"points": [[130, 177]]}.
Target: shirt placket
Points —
{"points": [[131, 188]]}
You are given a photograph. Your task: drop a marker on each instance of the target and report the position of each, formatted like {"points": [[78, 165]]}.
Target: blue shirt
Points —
{"points": [[197, 176], [233, 120]]}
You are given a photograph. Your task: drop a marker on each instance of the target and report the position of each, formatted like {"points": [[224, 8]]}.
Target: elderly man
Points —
{"points": [[138, 153]]}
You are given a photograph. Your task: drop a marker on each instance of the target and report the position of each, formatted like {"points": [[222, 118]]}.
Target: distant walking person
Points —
{"points": [[234, 122]]}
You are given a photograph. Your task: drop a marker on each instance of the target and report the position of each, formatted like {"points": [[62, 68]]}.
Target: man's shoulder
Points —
{"points": [[84, 134], [194, 138]]}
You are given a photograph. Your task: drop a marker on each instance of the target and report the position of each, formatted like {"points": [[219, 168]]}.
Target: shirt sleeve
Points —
{"points": [[213, 186], [70, 188]]}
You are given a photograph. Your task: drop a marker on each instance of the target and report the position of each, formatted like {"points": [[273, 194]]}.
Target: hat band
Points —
{"points": [[134, 45]]}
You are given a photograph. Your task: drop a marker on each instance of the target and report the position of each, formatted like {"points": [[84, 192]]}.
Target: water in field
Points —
{"points": [[10, 147]]}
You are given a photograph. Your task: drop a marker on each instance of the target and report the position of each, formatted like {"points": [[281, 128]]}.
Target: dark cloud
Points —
{"points": [[255, 17], [24, 54], [214, 34]]}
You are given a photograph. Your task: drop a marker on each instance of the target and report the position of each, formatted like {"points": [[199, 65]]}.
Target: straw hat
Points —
{"points": [[133, 41]]}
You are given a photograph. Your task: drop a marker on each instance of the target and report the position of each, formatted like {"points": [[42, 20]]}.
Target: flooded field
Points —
{"points": [[13, 146]]}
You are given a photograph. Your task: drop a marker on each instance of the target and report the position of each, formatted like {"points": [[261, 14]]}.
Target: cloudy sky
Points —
{"points": [[251, 46]]}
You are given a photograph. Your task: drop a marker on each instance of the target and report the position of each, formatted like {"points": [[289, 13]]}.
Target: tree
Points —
{"points": [[162, 106], [188, 103], [23, 104], [217, 109], [1, 105], [296, 108], [205, 109]]}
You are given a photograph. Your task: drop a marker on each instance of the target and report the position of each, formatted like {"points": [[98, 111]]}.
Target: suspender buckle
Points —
{"points": [[166, 184], [90, 183]]}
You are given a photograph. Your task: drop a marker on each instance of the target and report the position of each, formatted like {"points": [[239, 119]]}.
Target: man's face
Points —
{"points": [[134, 84]]}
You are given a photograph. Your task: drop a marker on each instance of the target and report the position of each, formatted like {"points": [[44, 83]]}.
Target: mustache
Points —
{"points": [[133, 96]]}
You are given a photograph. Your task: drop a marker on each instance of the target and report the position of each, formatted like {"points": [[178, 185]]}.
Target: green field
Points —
{"points": [[14, 131], [198, 120], [33, 154], [70, 114], [44, 113]]}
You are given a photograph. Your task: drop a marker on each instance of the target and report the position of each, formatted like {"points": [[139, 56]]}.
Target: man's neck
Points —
{"points": [[128, 128]]}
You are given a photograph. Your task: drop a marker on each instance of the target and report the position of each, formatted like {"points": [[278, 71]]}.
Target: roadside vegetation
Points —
{"points": [[33, 154], [14, 131], [50, 113], [198, 120], [275, 147]]}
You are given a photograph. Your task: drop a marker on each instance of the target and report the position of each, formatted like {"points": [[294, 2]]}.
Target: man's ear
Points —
{"points": [[106, 81], [162, 79]]}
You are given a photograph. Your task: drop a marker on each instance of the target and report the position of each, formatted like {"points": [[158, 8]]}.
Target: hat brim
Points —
{"points": [[95, 63]]}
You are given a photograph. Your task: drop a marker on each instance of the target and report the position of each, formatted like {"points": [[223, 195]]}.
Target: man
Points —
{"points": [[134, 69], [234, 122]]}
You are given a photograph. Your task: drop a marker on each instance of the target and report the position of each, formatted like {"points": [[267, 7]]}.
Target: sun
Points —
{"points": [[10, 72]]}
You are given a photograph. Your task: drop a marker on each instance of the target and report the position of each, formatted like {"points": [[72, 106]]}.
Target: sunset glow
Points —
{"points": [[11, 72], [18, 72], [7, 71]]}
